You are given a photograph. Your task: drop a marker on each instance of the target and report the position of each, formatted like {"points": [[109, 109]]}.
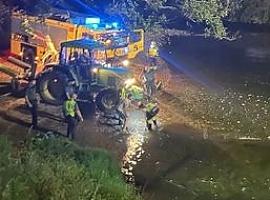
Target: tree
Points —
{"points": [[209, 12], [156, 15], [152, 15], [252, 11], [4, 11], [141, 14]]}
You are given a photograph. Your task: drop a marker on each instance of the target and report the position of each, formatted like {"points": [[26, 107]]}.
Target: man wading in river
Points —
{"points": [[151, 111]]}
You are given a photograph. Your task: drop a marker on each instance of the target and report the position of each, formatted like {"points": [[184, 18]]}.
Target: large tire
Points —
{"points": [[87, 105], [108, 100], [51, 86], [87, 109]]}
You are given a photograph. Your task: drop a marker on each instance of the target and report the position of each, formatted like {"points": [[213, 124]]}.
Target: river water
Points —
{"points": [[176, 162]]}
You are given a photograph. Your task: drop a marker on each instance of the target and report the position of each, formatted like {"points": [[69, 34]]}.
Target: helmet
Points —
{"points": [[153, 44], [73, 96]]}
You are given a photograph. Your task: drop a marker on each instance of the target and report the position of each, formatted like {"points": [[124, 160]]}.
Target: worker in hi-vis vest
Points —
{"points": [[153, 53], [72, 115], [151, 111]]}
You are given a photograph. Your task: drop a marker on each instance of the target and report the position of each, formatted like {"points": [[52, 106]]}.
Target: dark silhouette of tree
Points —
{"points": [[155, 16]]}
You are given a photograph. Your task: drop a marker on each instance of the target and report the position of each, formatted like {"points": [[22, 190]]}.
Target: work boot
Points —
{"points": [[155, 123], [149, 126]]}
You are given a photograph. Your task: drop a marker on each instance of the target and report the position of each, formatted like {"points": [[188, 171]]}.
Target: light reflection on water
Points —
{"points": [[137, 137]]}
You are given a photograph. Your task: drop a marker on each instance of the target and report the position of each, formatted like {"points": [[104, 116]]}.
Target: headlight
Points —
{"points": [[108, 42], [95, 70], [130, 82], [125, 63], [107, 65]]}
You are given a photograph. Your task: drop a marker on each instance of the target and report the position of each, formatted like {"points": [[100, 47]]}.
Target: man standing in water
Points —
{"points": [[72, 113], [148, 76], [32, 101], [151, 111]]}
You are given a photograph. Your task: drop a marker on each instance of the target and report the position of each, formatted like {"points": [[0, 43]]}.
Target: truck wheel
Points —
{"points": [[51, 86], [108, 100], [86, 104], [87, 108]]}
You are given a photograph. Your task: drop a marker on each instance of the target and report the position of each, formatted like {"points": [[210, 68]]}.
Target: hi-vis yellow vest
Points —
{"points": [[150, 107], [153, 52], [70, 107], [123, 93]]}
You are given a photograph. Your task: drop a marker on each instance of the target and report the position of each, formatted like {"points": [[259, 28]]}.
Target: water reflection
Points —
{"points": [[135, 140]]}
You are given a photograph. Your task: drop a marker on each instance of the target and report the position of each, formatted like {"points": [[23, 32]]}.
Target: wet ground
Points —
{"points": [[181, 159], [15, 123]]}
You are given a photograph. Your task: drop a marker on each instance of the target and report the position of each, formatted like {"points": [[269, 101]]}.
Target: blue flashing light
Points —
{"points": [[107, 26], [92, 20], [115, 24], [95, 26]]}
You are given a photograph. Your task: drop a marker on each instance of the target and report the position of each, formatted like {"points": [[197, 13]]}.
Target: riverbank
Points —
{"points": [[50, 167]]}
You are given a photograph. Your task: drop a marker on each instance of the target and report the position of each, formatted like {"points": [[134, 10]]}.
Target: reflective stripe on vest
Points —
{"points": [[123, 93], [150, 107], [136, 92]]}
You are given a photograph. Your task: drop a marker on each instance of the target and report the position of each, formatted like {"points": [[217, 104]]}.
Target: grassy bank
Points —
{"points": [[55, 168]]}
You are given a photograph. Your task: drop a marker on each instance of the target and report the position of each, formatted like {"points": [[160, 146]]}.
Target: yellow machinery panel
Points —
{"points": [[134, 48], [15, 47]]}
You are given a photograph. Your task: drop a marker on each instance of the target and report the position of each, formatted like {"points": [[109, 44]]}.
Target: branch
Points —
{"points": [[169, 7]]}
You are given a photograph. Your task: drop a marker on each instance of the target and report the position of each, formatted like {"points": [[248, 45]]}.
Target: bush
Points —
{"points": [[55, 168]]}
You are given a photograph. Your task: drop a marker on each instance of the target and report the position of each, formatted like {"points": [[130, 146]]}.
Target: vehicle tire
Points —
{"points": [[87, 108], [108, 100], [51, 86]]}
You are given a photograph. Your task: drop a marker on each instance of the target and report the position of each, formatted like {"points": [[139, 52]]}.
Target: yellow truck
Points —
{"points": [[37, 39]]}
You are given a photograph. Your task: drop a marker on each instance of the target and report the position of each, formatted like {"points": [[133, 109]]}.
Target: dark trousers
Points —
{"points": [[152, 61], [150, 117], [150, 87], [34, 114], [72, 124]]}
